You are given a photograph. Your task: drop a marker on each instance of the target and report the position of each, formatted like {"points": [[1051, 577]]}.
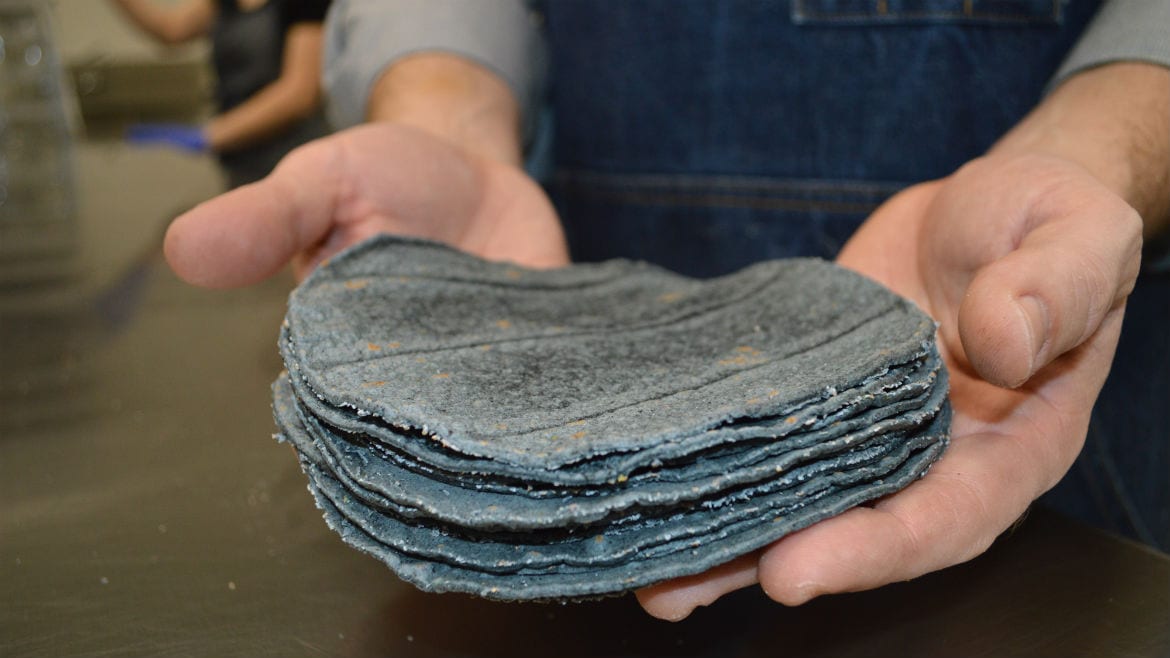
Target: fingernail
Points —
{"points": [[678, 613], [797, 594], [1036, 320], [806, 592]]}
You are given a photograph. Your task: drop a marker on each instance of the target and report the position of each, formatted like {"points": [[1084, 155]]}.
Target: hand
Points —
{"points": [[376, 178], [1025, 262], [184, 138]]}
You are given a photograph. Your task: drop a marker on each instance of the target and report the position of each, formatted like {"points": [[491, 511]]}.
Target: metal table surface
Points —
{"points": [[145, 510]]}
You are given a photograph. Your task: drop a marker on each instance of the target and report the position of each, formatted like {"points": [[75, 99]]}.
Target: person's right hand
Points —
{"points": [[342, 189]]}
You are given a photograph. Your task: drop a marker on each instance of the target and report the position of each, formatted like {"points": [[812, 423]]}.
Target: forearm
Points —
{"points": [[1113, 120], [270, 111], [452, 98], [169, 23]]}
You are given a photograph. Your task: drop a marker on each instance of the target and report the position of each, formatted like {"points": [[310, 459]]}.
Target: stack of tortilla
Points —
{"points": [[573, 433]]}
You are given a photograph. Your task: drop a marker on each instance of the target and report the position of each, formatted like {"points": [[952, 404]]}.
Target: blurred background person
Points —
{"points": [[266, 55]]}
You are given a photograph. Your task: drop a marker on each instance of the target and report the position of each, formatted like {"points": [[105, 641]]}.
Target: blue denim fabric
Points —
{"points": [[1121, 480], [815, 96], [708, 134]]}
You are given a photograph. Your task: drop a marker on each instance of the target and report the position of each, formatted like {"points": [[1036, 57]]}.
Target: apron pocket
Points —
{"points": [[707, 225]]}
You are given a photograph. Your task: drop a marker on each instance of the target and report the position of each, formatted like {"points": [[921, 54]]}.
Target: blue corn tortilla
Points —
{"points": [[880, 393], [591, 548], [675, 528], [371, 476], [585, 351], [581, 432], [699, 554]]}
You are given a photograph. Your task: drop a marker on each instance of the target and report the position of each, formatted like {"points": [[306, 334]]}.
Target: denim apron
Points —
{"points": [[704, 135]]}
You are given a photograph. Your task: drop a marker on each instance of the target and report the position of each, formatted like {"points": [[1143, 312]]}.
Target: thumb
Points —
{"points": [[1077, 261], [250, 233]]}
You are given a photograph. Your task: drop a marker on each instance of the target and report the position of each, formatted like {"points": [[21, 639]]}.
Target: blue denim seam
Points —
{"points": [[800, 14], [730, 182], [721, 191], [732, 201]]}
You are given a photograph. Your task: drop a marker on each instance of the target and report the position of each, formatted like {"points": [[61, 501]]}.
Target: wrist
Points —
{"points": [[1111, 121], [451, 98], [207, 136]]}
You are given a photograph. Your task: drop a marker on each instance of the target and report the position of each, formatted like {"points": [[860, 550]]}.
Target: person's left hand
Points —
{"points": [[1025, 262]]}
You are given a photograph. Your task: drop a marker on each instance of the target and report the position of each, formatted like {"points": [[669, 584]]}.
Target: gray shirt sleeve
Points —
{"points": [[1122, 30], [363, 37]]}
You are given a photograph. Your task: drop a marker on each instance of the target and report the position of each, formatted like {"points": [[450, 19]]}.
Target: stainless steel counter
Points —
{"points": [[145, 510]]}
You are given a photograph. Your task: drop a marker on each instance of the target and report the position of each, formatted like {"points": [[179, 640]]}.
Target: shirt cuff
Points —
{"points": [[364, 37], [1122, 30]]}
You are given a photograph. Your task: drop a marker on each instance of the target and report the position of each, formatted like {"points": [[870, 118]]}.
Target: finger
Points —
{"points": [[979, 488], [947, 517], [676, 599], [1054, 290], [250, 233]]}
